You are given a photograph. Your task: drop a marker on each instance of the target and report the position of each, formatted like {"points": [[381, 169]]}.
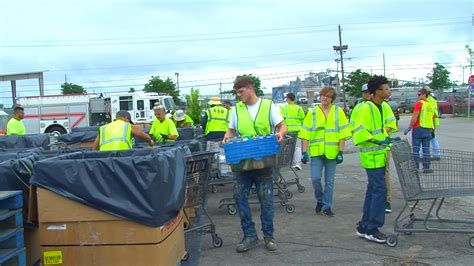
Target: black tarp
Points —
{"points": [[24, 141], [82, 129], [78, 137], [143, 185]]}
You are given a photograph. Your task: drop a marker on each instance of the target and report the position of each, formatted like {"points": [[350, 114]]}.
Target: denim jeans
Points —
{"points": [[375, 199], [264, 185], [436, 148], [421, 137], [317, 165]]}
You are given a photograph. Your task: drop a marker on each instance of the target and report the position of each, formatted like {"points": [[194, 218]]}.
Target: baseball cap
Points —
{"points": [[365, 87], [124, 114], [179, 115]]}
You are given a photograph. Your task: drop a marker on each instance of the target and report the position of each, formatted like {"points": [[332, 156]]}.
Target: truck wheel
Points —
{"points": [[56, 129]]}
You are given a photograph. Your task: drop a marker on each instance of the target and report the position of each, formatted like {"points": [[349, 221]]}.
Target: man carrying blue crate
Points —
{"points": [[251, 117]]}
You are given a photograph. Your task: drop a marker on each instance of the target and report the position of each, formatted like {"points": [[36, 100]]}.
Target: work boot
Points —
{"points": [[318, 208], [270, 244], [247, 244]]}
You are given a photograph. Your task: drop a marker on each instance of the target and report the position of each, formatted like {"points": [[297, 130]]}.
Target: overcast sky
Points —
{"points": [[109, 46]]}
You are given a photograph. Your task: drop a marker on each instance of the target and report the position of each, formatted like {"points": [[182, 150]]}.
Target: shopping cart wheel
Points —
{"points": [[231, 209], [216, 241], [290, 208], [301, 189], [392, 240], [289, 194], [471, 242]]}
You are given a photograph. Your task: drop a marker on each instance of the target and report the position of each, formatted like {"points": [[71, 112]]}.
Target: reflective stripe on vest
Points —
{"points": [[292, 122], [123, 138], [260, 126], [426, 115], [217, 124]]}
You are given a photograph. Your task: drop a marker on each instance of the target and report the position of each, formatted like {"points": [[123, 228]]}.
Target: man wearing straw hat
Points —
{"points": [[216, 120]]}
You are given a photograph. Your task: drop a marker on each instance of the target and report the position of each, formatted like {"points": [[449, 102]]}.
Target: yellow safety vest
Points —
{"points": [[116, 135], [187, 120], [324, 133], [293, 115], [261, 126], [370, 124], [354, 114], [15, 127], [434, 103], [217, 119], [426, 115]]}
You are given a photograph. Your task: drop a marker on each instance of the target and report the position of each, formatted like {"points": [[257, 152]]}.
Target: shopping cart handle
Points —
{"points": [[394, 139]]}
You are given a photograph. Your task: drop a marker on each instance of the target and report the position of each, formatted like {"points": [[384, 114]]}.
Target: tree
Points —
{"points": [[354, 82], [439, 78], [155, 84], [469, 58], [256, 85], [71, 88], [194, 107], [131, 90]]}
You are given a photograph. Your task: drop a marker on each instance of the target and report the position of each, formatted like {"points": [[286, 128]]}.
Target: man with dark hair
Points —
{"points": [[294, 117], [15, 126], [227, 105], [374, 119], [254, 116], [422, 123]]}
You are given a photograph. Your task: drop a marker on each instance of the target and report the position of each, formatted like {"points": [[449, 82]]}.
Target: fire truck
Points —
{"points": [[61, 113]]}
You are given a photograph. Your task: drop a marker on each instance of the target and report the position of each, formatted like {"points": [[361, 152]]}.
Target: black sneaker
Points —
{"points": [[327, 212], [270, 244], [376, 236], [318, 208], [360, 230], [388, 208], [247, 244]]}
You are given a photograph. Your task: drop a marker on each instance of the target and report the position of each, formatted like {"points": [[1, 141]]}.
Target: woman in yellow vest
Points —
{"points": [[182, 120], [324, 132], [117, 135], [294, 117], [163, 128]]}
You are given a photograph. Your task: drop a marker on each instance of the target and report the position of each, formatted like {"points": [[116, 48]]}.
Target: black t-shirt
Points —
{"points": [[379, 106]]}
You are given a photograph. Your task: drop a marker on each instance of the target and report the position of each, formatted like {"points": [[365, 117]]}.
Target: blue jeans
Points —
{"points": [[421, 137], [264, 185], [375, 199], [435, 146], [317, 165]]}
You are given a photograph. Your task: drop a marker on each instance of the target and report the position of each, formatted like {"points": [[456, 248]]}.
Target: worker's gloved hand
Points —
{"points": [[406, 131], [339, 158], [305, 158], [163, 136]]}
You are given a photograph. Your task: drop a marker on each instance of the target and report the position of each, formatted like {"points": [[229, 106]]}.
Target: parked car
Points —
{"points": [[395, 109], [407, 105]]}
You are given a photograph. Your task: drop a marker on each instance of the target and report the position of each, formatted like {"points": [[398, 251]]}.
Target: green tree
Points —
{"points": [[194, 107], [439, 77], [155, 84], [131, 90], [354, 82], [468, 59], [71, 88], [256, 82]]}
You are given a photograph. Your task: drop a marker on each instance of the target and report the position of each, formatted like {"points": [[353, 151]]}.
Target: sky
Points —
{"points": [[112, 45]]}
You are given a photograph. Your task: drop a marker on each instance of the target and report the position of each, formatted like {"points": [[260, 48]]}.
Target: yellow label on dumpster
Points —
{"points": [[53, 257]]}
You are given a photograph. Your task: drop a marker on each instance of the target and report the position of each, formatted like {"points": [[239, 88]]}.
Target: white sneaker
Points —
{"points": [[297, 167]]}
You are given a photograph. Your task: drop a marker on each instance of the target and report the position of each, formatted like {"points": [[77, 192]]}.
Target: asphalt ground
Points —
{"points": [[304, 237]]}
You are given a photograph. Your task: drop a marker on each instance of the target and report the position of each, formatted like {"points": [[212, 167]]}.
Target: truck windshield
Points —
{"points": [[169, 104]]}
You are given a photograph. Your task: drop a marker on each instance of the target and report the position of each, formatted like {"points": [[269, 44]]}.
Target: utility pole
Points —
{"points": [[220, 90], [337, 73], [177, 80], [341, 49], [65, 78], [383, 64]]}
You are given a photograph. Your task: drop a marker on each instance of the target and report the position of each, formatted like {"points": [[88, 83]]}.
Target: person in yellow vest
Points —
{"points": [[117, 135], [215, 121], [254, 116], [182, 120], [163, 128], [324, 132], [15, 126], [371, 136], [227, 105], [422, 123], [293, 115], [434, 140], [355, 111]]}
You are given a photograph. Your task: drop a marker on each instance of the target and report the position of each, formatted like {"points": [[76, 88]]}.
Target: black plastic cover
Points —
{"points": [[82, 129], [78, 137], [25, 141], [143, 185]]}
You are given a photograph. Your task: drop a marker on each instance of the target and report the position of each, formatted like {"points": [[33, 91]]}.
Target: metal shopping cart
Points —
{"points": [[285, 160], [197, 176], [451, 176], [283, 195]]}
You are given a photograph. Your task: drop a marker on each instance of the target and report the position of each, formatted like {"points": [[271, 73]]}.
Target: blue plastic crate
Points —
{"points": [[14, 257], [258, 148], [11, 219], [10, 200], [11, 238]]}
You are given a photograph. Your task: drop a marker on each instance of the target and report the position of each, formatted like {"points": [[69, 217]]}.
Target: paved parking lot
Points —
{"points": [[306, 238]]}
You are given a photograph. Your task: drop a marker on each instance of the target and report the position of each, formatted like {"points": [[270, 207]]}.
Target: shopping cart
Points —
{"points": [[197, 176], [283, 195], [452, 176], [221, 173], [285, 160]]}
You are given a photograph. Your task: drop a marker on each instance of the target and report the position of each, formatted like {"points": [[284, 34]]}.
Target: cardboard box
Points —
{"points": [[65, 222], [169, 252]]}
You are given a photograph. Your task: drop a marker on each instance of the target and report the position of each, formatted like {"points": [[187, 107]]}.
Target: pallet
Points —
{"points": [[10, 200], [12, 239], [11, 219], [10, 257]]}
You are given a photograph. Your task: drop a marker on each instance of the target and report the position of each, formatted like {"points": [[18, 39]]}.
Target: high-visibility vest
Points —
{"points": [[293, 115], [116, 135], [324, 133], [166, 127], [426, 115], [187, 120], [15, 127], [370, 124], [434, 103], [261, 126], [217, 119], [354, 114]]}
